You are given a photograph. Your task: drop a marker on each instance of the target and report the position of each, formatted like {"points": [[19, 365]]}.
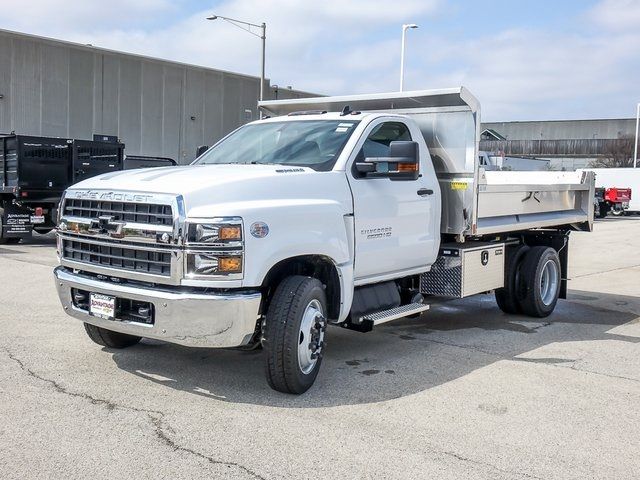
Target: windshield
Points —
{"points": [[308, 143]]}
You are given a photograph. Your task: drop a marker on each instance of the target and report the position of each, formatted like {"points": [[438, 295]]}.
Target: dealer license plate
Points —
{"points": [[103, 306]]}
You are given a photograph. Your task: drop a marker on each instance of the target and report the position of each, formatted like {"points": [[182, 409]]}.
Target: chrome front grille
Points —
{"points": [[143, 213], [123, 234], [120, 257]]}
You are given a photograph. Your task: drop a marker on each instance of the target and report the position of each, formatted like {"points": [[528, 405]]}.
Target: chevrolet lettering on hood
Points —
{"points": [[112, 196]]}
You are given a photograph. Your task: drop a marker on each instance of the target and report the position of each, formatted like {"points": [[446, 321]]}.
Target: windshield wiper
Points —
{"points": [[255, 162]]}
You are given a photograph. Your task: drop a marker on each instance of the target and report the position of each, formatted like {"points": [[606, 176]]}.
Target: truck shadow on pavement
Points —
{"points": [[38, 240], [405, 357]]}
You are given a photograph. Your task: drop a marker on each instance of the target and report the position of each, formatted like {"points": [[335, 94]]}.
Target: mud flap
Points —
{"points": [[16, 221]]}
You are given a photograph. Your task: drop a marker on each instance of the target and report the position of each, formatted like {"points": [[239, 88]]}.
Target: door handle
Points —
{"points": [[425, 191]]}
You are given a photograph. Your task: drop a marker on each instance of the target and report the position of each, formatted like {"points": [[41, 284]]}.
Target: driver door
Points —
{"points": [[395, 229]]}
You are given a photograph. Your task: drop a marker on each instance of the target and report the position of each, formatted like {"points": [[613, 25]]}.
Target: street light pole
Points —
{"points": [[246, 26], [635, 145], [264, 50], [404, 31]]}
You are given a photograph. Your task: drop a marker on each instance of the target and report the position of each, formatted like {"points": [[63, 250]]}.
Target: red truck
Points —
{"points": [[615, 200]]}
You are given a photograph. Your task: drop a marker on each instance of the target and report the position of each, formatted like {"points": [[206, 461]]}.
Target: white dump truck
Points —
{"points": [[350, 211]]}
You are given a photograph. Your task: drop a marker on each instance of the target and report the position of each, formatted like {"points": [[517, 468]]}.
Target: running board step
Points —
{"points": [[394, 313]]}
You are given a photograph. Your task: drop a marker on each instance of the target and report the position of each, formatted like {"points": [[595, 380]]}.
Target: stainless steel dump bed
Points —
{"points": [[511, 201], [474, 202]]}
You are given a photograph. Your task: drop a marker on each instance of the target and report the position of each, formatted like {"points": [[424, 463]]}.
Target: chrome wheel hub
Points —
{"points": [[311, 336], [549, 282]]}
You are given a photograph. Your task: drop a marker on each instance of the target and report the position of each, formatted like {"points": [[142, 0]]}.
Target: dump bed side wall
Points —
{"points": [[43, 164], [516, 201], [92, 158], [8, 162]]}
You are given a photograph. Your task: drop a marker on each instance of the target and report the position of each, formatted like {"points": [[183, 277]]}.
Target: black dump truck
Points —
{"points": [[34, 171]]}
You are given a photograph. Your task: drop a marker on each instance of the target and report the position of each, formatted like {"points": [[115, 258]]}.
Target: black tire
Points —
{"points": [[531, 290], [507, 297], [43, 231], [602, 211], [282, 334], [110, 339], [617, 213], [9, 241], [4, 240]]}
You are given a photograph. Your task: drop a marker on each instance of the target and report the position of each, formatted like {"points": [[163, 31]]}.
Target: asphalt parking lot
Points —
{"points": [[465, 391]]}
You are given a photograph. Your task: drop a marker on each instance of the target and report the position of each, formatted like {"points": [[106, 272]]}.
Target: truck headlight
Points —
{"points": [[214, 248], [218, 231], [202, 264]]}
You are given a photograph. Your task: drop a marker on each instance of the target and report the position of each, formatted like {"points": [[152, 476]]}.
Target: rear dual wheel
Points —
{"points": [[532, 281], [539, 282], [506, 297]]}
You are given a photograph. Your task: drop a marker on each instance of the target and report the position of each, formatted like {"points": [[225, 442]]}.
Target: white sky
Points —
{"points": [[524, 60]]}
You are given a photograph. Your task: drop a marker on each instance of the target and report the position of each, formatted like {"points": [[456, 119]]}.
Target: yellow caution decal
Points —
{"points": [[459, 185]]}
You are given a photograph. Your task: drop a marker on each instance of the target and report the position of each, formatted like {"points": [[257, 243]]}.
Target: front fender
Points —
{"points": [[299, 229], [309, 228]]}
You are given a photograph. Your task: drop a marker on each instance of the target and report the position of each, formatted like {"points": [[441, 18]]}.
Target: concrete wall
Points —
{"points": [[564, 129], [155, 107]]}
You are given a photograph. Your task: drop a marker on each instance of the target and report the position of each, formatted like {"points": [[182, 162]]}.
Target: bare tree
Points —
{"points": [[618, 153]]}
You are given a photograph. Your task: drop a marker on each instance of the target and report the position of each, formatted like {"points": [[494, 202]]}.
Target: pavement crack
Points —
{"points": [[156, 417], [621, 377], [605, 271], [462, 458], [160, 433], [542, 325], [60, 388], [562, 363], [464, 347], [31, 262]]}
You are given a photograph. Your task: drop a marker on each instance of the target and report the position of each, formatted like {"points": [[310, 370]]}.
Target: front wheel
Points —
{"points": [[108, 338], [617, 213], [294, 334]]}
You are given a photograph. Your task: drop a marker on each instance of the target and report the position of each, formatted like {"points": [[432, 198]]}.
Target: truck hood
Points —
{"points": [[203, 186]]}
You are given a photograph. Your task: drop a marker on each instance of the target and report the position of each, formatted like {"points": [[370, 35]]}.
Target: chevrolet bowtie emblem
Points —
{"points": [[107, 225]]}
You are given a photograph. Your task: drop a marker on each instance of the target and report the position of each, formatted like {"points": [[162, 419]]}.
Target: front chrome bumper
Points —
{"points": [[193, 319]]}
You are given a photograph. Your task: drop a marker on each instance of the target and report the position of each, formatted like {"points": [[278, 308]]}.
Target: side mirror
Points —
{"points": [[403, 163], [201, 149]]}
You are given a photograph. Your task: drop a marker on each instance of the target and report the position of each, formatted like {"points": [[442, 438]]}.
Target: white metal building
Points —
{"points": [[156, 107]]}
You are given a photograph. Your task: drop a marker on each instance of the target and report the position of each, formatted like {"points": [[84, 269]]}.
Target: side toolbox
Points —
{"points": [[462, 270]]}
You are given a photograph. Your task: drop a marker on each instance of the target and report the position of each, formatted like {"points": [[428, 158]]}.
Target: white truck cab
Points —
{"points": [[348, 211]]}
